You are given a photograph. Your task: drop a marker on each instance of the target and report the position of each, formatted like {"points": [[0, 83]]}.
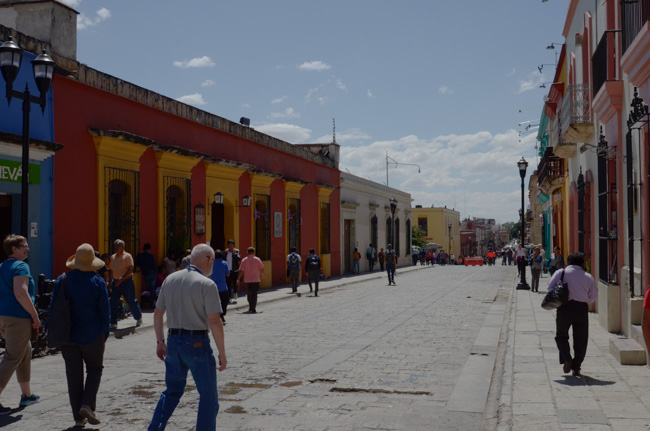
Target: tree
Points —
{"points": [[515, 231], [417, 236]]}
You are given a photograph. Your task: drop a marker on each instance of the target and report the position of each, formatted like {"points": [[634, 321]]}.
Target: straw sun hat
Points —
{"points": [[85, 259]]}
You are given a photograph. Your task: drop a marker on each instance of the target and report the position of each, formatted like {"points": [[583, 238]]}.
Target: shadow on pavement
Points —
{"points": [[583, 381], [9, 419]]}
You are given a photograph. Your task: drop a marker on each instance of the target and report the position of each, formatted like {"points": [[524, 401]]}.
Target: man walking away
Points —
{"points": [[191, 302], [251, 272], [575, 313], [293, 267], [149, 270], [312, 266], [391, 260], [219, 273], [122, 284]]}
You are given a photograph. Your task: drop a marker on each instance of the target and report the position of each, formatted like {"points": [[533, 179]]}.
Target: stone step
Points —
{"points": [[637, 335], [627, 351]]}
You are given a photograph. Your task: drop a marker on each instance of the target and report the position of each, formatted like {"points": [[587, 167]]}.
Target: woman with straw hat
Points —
{"points": [[89, 327]]}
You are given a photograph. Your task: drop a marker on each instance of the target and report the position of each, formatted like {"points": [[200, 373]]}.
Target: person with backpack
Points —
{"points": [[293, 269], [391, 261], [312, 267], [89, 327]]}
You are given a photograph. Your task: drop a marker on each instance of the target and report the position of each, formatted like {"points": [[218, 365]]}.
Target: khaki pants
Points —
{"points": [[18, 349]]}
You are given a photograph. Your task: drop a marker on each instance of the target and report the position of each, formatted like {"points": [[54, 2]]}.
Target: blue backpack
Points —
{"points": [[294, 261]]}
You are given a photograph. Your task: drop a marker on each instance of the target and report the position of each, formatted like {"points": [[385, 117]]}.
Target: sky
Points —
{"points": [[450, 86]]}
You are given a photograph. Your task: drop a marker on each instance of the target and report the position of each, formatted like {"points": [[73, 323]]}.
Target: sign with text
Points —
{"points": [[12, 172]]}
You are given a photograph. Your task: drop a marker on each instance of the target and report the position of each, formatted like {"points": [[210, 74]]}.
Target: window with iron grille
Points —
{"points": [[422, 223], [607, 229], [122, 209], [178, 223], [293, 224], [262, 219], [324, 228], [374, 231], [396, 245], [581, 213]]}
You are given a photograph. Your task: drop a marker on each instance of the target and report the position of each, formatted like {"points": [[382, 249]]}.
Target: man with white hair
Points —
{"points": [[191, 301]]}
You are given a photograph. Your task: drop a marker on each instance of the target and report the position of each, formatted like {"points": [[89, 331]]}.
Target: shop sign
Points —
{"points": [[12, 172]]}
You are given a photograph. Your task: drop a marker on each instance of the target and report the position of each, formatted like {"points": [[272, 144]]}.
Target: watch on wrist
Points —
{"points": [[161, 341]]}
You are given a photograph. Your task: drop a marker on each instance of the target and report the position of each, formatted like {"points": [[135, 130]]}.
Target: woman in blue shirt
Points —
{"points": [[89, 327], [18, 317], [219, 272]]}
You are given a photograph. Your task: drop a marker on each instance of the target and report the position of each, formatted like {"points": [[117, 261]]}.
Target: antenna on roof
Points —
{"points": [[333, 130]]}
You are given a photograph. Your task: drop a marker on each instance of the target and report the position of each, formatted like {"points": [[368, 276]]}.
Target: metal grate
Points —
{"points": [[122, 214], [262, 219], [177, 209], [294, 222], [324, 228]]}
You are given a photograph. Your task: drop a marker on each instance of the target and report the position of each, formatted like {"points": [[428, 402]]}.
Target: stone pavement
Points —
{"points": [[535, 394]]}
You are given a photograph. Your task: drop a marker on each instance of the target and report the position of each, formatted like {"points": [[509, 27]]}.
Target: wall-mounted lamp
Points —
{"points": [[246, 201], [552, 45], [218, 198]]}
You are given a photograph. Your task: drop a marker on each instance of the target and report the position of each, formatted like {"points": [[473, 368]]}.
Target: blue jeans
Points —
{"points": [[126, 289], [390, 269], [150, 284], [193, 353], [355, 268]]}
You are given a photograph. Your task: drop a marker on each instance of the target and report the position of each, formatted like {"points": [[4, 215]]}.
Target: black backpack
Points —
{"points": [[58, 326]]}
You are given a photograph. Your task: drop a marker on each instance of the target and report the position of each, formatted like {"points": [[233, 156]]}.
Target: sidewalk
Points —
{"points": [[270, 294], [537, 395]]}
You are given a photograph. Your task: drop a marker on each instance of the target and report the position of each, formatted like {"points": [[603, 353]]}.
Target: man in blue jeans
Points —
{"points": [[122, 284], [191, 301], [149, 270]]}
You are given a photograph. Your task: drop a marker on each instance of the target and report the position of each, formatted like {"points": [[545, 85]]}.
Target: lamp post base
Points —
{"points": [[522, 286]]}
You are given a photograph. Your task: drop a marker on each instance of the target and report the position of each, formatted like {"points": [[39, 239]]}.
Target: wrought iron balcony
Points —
{"points": [[576, 124], [634, 15], [550, 172]]}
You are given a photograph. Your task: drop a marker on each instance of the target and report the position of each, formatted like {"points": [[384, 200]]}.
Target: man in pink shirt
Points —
{"points": [[251, 271]]}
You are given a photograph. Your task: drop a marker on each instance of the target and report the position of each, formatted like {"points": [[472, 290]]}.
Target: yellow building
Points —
{"points": [[440, 226]]}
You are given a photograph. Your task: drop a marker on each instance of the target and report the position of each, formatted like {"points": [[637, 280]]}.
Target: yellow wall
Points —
{"points": [[225, 180], [326, 259], [438, 220]]}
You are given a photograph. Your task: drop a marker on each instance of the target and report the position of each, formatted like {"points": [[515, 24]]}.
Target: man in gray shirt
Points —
{"points": [[191, 301]]}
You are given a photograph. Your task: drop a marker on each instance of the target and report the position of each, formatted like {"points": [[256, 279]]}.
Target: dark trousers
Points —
{"points": [[534, 284], [126, 289], [390, 269], [573, 314], [231, 279], [75, 356], [315, 277], [224, 298], [371, 263], [251, 294]]}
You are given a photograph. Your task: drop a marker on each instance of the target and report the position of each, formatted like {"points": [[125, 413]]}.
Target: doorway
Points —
{"points": [[218, 240], [348, 245]]}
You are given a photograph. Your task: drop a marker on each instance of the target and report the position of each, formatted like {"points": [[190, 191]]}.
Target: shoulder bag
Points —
{"points": [[558, 296]]}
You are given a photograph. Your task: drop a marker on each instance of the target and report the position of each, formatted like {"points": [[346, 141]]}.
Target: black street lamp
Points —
{"points": [[522, 164], [393, 206], [43, 68], [450, 244]]}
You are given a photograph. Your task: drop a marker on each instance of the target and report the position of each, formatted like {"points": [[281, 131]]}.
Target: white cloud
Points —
{"points": [[370, 94], [340, 85], [347, 136], [445, 90], [84, 22], [245, 105], [535, 79], [207, 83], [287, 113], [286, 132], [476, 173], [314, 66], [204, 61], [279, 99], [195, 99]]}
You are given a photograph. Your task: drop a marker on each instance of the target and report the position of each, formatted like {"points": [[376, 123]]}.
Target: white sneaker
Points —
{"points": [[138, 322], [80, 423]]}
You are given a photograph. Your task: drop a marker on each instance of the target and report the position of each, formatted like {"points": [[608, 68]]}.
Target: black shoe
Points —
{"points": [[577, 373], [223, 319], [4, 410], [567, 366]]}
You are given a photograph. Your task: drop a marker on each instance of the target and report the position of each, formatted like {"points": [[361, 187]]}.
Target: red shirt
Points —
{"points": [[646, 299], [251, 267]]}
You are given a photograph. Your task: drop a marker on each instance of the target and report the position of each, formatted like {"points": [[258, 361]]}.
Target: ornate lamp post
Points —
{"points": [[393, 206], [450, 244], [522, 164], [43, 68]]}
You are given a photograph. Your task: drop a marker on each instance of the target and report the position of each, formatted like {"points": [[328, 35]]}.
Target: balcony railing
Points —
{"points": [[550, 174], [575, 117], [634, 15]]}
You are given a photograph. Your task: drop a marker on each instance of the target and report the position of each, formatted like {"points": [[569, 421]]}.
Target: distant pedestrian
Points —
{"points": [[356, 256], [170, 263], [509, 254], [191, 302], [251, 272], [148, 270], [452, 259], [185, 261], [391, 261], [89, 323], [414, 256], [293, 269], [557, 260], [18, 317], [313, 267], [381, 257], [122, 285], [536, 261], [575, 313], [371, 255], [233, 259], [219, 273], [520, 257]]}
